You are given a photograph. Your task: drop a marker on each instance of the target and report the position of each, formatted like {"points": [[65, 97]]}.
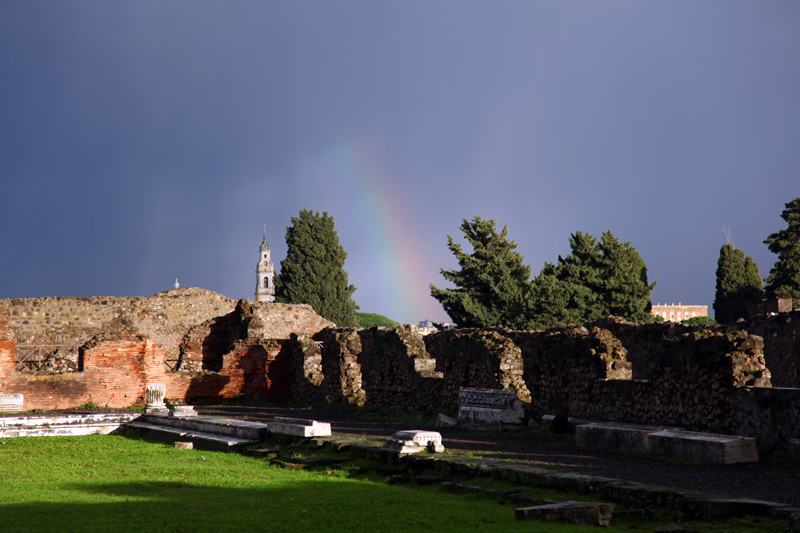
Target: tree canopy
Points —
{"points": [[784, 277], [492, 285], [313, 270], [595, 280], [738, 285]]}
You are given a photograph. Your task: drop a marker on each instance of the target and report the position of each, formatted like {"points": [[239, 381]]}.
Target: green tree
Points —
{"points": [[369, 320], [492, 286], [624, 286], [784, 277], [595, 280], [738, 285], [313, 270]]}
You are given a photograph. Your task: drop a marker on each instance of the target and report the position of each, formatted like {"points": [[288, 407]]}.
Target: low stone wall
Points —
{"points": [[700, 379]]}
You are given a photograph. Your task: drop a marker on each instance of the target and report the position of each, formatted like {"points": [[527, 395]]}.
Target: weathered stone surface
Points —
{"points": [[444, 421], [703, 447], [489, 409], [415, 441], [571, 512], [398, 373], [184, 445], [300, 427], [341, 370], [183, 411], [627, 438], [11, 403], [486, 359]]}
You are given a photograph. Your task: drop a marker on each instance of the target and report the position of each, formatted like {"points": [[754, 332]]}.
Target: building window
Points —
{"points": [[665, 315], [679, 315], [671, 315], [266, 283]]}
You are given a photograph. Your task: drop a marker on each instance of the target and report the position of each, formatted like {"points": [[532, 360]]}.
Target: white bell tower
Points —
{"points": [[265, 273]]}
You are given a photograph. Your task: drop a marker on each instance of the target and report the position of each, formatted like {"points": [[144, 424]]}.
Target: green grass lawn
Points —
{"points": [[115, 483]]}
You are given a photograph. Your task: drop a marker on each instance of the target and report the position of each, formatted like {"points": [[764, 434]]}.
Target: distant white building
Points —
{"points": [[676, 313], [426, 326], [265, 273]]}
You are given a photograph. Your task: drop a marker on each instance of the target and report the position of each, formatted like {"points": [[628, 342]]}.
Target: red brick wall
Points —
{"points": [[116, 374]]}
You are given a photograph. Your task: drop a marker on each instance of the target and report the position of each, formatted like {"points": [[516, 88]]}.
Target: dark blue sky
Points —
{"points": [[144, 141]]}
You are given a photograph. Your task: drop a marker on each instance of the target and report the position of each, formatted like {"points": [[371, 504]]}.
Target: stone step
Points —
{"points": [[200, 439], [672, 442], [620, 437], [703, 447], [64, 425], [241, 429]]}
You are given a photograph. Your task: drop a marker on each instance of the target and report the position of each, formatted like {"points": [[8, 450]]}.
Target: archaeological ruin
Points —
{"points": [[61, 353]]}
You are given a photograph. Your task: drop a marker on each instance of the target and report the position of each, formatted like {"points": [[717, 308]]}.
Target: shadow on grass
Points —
{"points": [[307, 505]]}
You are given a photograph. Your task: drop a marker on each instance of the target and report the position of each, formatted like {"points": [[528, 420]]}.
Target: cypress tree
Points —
{"points": [[313, 270], [784, 277], [738, 285], [492, 285]]}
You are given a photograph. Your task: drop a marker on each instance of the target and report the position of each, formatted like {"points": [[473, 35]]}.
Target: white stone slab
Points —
{"points": [[300, 427], [11, 403]]}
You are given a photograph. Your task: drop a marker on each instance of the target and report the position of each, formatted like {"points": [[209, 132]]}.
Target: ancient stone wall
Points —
{"points": [[164, 317], [341, 381], [215, 349], [475, 358], [398, 373], [306, 355], [781, 334]]}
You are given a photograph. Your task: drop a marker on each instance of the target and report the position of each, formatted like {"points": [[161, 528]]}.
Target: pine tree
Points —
{"points": [[784, 277], [492, 285], [313, 270], [624, 286], [594, 281], [738, 285]]}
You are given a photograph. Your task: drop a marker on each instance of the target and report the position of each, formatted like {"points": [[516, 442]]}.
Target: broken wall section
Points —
{"points": [[476, 358], [398, 374]]}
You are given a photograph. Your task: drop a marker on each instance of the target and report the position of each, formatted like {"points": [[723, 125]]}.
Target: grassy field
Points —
{"points": [[114, 483]]}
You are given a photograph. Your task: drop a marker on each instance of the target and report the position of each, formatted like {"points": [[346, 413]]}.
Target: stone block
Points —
{"points": [[444, 421], [703, 447], [299, 427], [489, 409], [571, 512], [415, 441], [183, 411], [794, 447], [184, 445], [11, 403], [622, 437]]}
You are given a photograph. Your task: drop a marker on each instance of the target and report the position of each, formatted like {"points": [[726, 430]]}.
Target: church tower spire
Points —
{"points": [[265, 273]]}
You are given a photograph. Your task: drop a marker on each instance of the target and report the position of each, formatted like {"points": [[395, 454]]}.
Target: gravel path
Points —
{"points": [[773, 478]]}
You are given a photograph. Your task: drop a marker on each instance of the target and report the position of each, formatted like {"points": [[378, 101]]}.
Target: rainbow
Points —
{"points": [[400, 267]]}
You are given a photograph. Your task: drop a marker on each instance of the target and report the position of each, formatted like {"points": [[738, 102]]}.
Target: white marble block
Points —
{"points": [[415, 441]]}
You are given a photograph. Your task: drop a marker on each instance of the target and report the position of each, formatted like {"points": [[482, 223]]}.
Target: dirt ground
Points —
{"points": [[774, 478]]}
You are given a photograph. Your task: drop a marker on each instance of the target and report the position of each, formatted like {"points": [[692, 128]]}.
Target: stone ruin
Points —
{"points": [[740, 379]]}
